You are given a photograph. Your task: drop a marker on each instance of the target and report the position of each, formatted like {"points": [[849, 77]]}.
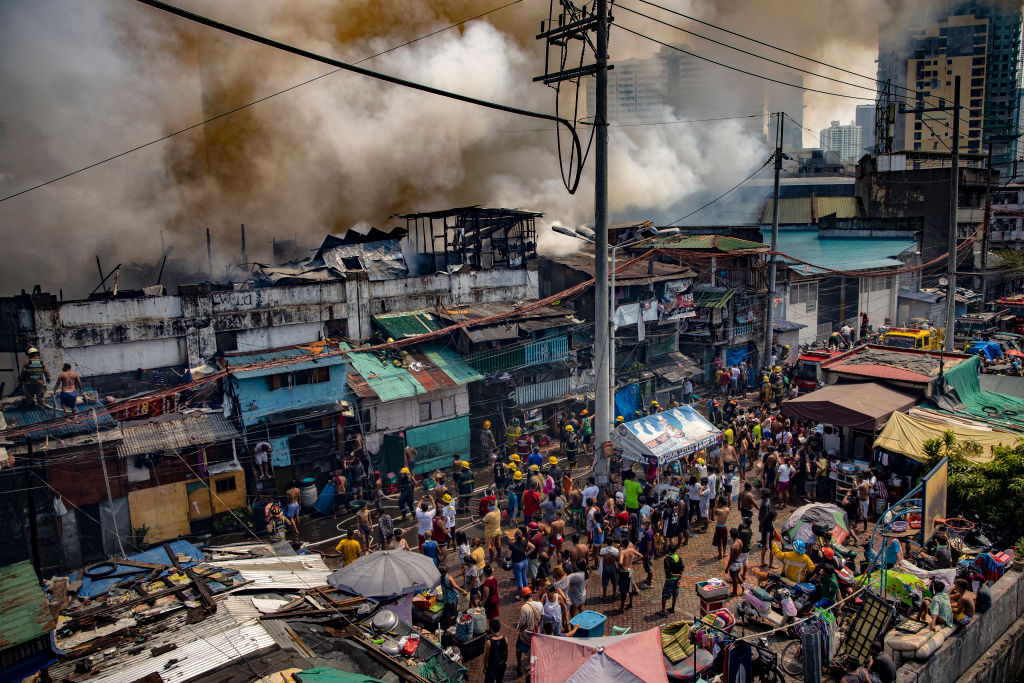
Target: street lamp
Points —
{"points": [[647, 234]]}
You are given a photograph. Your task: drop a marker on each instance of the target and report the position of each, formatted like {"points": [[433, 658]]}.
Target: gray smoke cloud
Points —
{"points": [[87, 80]]}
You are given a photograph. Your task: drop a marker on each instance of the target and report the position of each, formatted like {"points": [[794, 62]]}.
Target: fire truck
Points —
{"points": [[808, 370]]}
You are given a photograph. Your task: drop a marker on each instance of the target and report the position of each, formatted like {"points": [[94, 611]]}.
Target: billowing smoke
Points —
{"points": [[84, 80]]}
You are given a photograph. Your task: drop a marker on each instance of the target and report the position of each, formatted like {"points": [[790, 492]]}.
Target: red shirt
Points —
{"points": [[531, 504], [485, 504]]}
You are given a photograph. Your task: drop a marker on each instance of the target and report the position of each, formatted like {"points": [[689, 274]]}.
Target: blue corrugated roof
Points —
{"points": [[315, 360], [838, 253], [22, 415]]}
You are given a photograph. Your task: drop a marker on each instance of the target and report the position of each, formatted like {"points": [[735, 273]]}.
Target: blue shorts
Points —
{"points": [[68, 399], [292, 511]]}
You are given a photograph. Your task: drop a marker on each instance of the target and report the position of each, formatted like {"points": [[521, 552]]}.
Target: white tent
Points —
{"points": [[666, 436]]}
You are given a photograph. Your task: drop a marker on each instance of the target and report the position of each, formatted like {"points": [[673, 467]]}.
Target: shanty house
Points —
{"points": [[26, 631]]}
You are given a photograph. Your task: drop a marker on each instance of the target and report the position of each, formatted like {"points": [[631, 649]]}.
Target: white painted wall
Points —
{"points": [[798, 313], [111, 311], [405, 414], [878, 305], [274, 337], [110, 358]]}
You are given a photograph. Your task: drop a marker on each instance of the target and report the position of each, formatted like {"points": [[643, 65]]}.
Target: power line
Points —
{"points": [[584, 122], [734, 187], [732, 68], [253, 103]]}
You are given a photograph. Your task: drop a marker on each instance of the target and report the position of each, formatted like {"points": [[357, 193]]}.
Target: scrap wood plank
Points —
{"points": [[173, 555], [59, 595], [204, 592]]}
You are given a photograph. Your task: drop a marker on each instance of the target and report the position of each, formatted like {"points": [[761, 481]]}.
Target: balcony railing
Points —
{"points": [[744, 330], [543, 391], [520, 355]]}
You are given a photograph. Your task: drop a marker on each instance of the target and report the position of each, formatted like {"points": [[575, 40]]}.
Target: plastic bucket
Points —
{"points": [[307, 493]]}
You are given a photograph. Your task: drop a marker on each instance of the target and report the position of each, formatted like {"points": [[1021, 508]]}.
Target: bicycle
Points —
{"points": [[792, 658]]}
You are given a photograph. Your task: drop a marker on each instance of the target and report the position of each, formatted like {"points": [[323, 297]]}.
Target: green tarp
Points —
{"points": [[990, 407], [325, 674]]}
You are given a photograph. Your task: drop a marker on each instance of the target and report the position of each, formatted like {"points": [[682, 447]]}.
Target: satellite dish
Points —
{"points": [[943, 282]]}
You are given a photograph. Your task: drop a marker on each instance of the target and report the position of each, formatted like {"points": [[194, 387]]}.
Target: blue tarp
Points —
{"points": [[93, 587], [627, 401], [737, 355], [991, 349]]}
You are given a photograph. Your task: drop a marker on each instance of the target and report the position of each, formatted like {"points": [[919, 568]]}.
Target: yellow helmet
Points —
{"points": [[512, 466], [569, 428], [405, 470], [518, 475], [534, 468], [465, 465], [390, 340], [778, 368], [553, 460], [514, 457], [619, 418], [487, 424], [446, 498], [700, 461]]}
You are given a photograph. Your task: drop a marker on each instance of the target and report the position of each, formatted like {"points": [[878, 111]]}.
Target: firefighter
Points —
{"points": [[513, 431], [34, 378], [779, 392], [571, 448], [715, 413]]}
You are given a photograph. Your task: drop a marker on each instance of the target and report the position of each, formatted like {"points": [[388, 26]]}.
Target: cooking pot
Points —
{"points": [[384, 621]]}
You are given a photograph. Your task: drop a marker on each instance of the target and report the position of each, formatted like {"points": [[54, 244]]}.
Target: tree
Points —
{"points": [[994, 490]]}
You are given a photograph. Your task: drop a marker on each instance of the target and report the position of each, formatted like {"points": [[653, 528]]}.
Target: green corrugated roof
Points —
{"points": [[838, 253], [454, 365], [703, 299], [26, 612], [721, 243], [402, 325], [326, 674], [792, 210]]}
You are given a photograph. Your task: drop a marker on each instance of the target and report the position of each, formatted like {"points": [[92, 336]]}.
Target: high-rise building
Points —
{"points": [[978, 40], [845, 140], [866, 120]]}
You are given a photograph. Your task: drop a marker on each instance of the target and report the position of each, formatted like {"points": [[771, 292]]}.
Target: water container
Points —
{"points": [[307, 493], [591, 624], [479, 620], [325, 502], [259, 517], [464, 628]]}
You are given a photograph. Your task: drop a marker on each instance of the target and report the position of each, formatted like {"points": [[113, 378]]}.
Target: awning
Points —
{"points": [[402, 325], [174, 432], [863, 406], [480, 335], [666, 436], [675, 368], [906, 434], [706, 299], [786, 326]]}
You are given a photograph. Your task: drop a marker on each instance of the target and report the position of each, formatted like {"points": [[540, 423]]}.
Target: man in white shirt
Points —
{"points": [[687, 390], [713, 484], [425, 517], [590, 492], [785, 472], [846, 332]]}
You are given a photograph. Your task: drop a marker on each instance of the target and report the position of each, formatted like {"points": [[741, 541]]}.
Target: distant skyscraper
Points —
{"points": [[846, 140], [866, 121], [978, 40]]}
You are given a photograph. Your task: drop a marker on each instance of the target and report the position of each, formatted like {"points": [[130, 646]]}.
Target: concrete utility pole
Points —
{"points": [[986, 226], [954, 201], [769, 322], [603, 408]]}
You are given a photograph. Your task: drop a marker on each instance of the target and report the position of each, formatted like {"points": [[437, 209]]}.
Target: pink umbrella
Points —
{"points": [[634, 657]]}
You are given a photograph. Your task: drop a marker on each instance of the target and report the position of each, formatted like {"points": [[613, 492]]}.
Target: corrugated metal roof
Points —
{"points": [[711, 299], [925, 297], [792, 211], [722, 243], [402, 325], [881, 372], [441, 367], [319, 354], [22, 415], [841, 207], [26, 613], [176, 432], [584, 261], [273, 573], [839, 253], [786, 326]]}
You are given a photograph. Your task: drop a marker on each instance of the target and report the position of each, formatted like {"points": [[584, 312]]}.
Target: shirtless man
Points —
{"points": [[365, 520], [68, 384], [747, 503], [729, 459], [721, 539], [735, 564], [628, 555], [291, 512], [864, 498], [684, 521], [578, 550], [555, 536]]}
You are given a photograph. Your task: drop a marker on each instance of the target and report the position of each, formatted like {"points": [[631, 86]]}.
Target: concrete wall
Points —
{"points": [[109, 336], [968, 645], [878, 305], [798, 313]]}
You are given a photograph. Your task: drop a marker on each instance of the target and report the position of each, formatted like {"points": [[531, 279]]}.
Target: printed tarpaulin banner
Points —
{"points": [[666, 436]]}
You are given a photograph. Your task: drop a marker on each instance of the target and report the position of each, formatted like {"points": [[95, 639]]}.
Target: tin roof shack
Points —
{"points": [[182, 473], [902, 368], [651, 298], [63, 481], [416, 396], [26, 630], [472, 237], [729, 296], [528, 362], [916, 183], [295, 398]]}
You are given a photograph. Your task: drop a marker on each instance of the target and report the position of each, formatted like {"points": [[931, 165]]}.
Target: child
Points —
{"points": [[471, 580], [463, 544]]}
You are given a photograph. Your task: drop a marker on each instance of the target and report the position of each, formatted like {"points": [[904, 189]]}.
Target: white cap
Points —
{"points": [[33, 350]]}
